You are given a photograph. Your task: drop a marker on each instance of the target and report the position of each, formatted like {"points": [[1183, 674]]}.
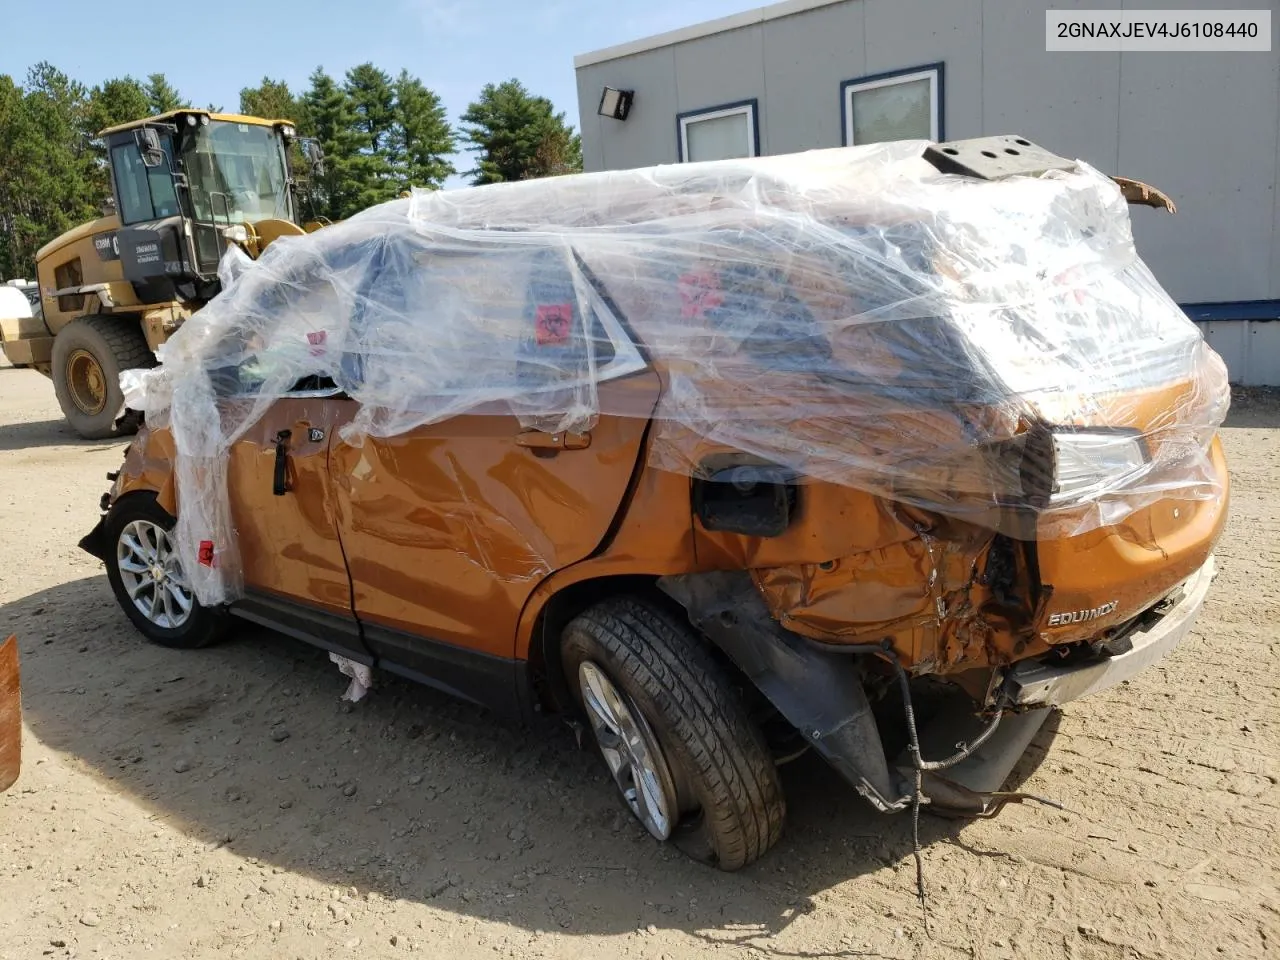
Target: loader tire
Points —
{"points": [[724, 799], [88, 356]]}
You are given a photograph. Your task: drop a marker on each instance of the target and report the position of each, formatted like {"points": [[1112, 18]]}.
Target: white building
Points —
{"points": [[1203, 127]]}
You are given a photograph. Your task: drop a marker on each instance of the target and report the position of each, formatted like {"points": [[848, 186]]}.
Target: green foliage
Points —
{"points": [[333, 124], [372, 101], [161, 95], [381, 135], [272, 100], [117, 101], [518, 136], [47, 169], [422, 139]]}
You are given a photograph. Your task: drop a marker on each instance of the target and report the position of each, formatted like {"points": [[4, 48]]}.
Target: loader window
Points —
{"points": [[146, 193], [237, 173]]}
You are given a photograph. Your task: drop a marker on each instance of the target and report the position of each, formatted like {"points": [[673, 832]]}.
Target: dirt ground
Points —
{"points": [[225, 803]]}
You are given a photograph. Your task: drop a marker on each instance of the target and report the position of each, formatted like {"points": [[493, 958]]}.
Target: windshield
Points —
{"points": [[237, 173]]}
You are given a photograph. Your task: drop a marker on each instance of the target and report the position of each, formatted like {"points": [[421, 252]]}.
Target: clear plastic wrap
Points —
{"points": [[972, 348]]}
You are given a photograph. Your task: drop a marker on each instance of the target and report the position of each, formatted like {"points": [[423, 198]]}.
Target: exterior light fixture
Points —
{"points": [[615, 104]]}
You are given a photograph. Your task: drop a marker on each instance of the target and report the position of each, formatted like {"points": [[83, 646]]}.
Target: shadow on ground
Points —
{"points": [[42, 433], [1254, 408], [416, 796]]}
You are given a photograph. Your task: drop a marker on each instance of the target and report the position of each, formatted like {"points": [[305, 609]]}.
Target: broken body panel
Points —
{"points": [[452, 549]]}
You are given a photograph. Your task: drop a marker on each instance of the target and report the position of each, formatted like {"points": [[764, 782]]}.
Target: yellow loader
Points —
{"points": [[185, 185]]}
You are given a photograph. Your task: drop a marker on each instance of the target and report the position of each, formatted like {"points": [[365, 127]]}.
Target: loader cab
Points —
{"points": [[181, 181]]}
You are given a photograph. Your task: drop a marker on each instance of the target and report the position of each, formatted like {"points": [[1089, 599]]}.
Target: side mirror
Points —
{"points": [[108, 207], [149, 141], [315, 156]]}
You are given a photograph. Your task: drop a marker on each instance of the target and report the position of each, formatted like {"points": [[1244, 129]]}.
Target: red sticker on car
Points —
{"points": [[552, 322], [699, 292], [317, 340], [205, 554]]}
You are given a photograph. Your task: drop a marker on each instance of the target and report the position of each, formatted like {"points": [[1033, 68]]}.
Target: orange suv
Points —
{"points": [[727, 460]]}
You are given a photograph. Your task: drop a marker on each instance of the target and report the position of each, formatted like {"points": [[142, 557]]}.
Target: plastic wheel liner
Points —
{"points": [[852, 315]]}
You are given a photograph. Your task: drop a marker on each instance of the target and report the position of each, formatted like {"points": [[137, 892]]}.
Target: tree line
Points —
{"points": [[381, 135]]}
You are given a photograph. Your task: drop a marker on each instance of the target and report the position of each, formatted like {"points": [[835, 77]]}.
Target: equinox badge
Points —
{"points": [[1081, 616]]}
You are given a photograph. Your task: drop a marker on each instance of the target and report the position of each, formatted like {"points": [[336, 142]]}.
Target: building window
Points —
{"points": [[901, 105], [719, 133]]}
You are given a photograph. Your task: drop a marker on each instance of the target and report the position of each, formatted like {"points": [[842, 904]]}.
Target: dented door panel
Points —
{"points": [[449, 528], [289, 543]]}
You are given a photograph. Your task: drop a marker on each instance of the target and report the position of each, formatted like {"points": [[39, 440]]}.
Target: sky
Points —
{"points": [[454, 46]]}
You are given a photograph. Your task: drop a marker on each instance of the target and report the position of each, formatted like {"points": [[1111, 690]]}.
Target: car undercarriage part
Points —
{"points": [[820, 694], [819, 689]]}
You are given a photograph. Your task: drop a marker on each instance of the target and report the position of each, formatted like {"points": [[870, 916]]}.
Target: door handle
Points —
{"points": [[561, 440], [280, 480]]}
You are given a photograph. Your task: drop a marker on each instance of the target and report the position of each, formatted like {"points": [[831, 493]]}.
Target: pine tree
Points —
{"points": [[333, 124], [518, 136], [119, 100], [271, 100], [47, 170], [161, 95], [422, 139], [373, 102], [116, 101]]}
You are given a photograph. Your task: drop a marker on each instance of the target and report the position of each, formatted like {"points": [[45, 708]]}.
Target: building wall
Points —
{"points": [[1205, 128]]}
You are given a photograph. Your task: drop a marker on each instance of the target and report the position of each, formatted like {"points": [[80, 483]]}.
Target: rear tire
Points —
{"points": [[88, 355], [726, 792], [137, 546]]}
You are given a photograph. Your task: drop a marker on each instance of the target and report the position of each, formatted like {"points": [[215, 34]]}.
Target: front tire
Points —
{"points": [[147, 578], [88, 356], [684, 754]]}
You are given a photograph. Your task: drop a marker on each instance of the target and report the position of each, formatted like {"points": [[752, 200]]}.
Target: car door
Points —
{"points": [[449, 527], [282, 505]]}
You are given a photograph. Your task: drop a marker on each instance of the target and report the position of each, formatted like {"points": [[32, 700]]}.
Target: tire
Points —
{"points": [[729, 800], [91, 397], [201, 625]]}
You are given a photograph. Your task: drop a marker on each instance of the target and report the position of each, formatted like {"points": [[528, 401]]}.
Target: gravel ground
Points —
{"points": [[225, 803]]}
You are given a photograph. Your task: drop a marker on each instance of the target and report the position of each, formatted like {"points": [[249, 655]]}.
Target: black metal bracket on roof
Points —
{"points": [[993, 158]]}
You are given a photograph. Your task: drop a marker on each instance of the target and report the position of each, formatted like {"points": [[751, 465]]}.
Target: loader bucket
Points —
{"points": [[10, 714]]}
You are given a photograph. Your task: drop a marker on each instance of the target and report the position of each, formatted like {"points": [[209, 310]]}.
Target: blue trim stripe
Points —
{"points": [[1233, 310]]}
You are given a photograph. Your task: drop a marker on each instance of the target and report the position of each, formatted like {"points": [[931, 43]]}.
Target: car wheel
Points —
{"points": [[147, 579], [674, 734]]}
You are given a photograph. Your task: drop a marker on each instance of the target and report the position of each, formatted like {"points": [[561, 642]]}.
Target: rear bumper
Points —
{"points": [[1041, 683]]}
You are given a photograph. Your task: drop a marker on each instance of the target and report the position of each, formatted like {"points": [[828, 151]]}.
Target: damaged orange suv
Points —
{"points": [[727, 460]]}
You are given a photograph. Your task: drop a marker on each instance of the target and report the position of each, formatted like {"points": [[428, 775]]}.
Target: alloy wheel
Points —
{"points": [[151, 574], [631, 750]]}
